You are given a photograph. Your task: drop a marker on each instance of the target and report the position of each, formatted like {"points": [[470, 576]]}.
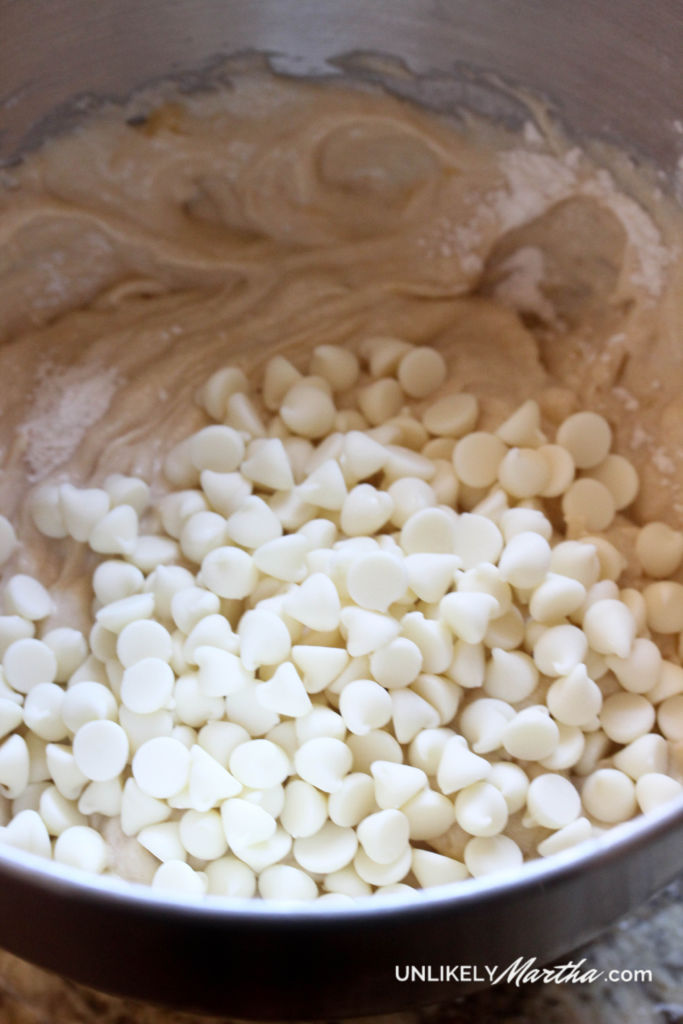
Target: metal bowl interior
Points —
{"points": [[613, 78], [616, 79], [285, 961]]}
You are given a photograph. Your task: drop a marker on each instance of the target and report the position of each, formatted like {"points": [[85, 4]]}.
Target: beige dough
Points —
{"points": [[137, 258]]}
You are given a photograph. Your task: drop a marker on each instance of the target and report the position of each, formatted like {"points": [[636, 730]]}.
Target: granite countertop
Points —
{"points": [[650, 939]]}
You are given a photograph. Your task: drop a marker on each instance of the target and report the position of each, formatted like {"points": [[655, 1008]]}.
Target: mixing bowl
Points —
{"points": [[609, 71]]}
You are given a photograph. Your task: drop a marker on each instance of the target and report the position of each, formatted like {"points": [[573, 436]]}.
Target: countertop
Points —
{"points": [[648, 940]]}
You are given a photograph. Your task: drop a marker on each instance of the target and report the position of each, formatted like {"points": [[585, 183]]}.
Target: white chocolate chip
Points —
{"points": [[330, 849], [201, 834], [366, 631], [28, 662], [525, 560], [364, 705], [42, 712], [468, 614], [259, 763], [588, 438], [323, 762], [577, 831], [27, 831], [27, 597], [523, 427], [560, 649], [116, 533], [82, 847], [510, 675], [619, 477], [284, 883], [264, 638], [246, 824], [664, 606], [609, 795], [128, 490], [384, 835], [513, 783], [553, 801], [353, 801], [626, 716], [659, 549], [243, 416], [396, 784], [648, 753], [555, 597], [178, 877], [325, 486], [574, 698], [588, 506], [452, 415], [147, 685], [319, 665], [477, 457], [373, 873], [336, 364], [307, 410], [219, 387], [435, 869], [396, 664], [429, 531], [376, 581], [284, 692], [531, 735], [655, 789], [561, 469], [253, 523], [228, 876], [480, 810], [362, 456], [670, 718], [430, 575], [15, 764], [483, 722], [305, 809], [278, 376], [578, 560], [46, 511], [101, 750], [217, 448], [524, 472], [476, 540], [82, 509], [421, 371], [610, 627], [486, 855], [161, 767], [459, 767], [365, 510], [267, 464], [429, 815], [315, 603], [380, 400]]}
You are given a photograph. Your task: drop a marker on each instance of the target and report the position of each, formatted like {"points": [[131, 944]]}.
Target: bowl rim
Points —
{"points": [[615, 844]]}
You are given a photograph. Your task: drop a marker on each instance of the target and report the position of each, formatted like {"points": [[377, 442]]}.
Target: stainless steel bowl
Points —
{"points": [[611, 71]]}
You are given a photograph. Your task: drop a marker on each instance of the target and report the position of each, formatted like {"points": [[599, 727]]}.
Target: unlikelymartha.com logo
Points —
{"points": [[522, 971]]}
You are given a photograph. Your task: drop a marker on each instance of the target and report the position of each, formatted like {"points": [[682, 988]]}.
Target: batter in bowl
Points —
{"points": [[140, 256]]}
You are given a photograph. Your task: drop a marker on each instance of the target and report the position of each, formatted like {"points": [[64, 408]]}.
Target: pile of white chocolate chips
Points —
{"points": [[359, 646]]}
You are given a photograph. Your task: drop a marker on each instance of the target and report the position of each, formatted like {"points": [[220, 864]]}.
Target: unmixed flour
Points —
{"points": [[66, 402]]}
